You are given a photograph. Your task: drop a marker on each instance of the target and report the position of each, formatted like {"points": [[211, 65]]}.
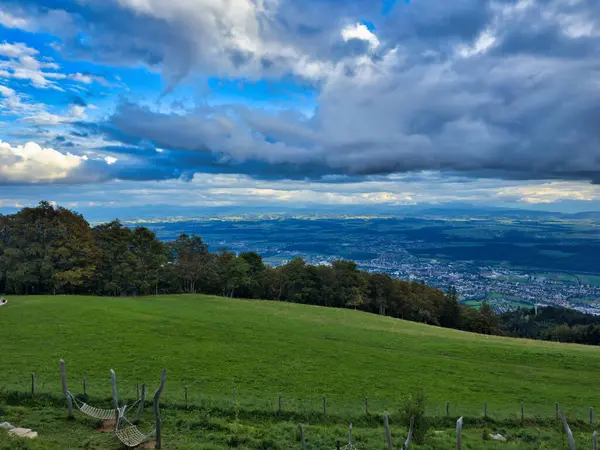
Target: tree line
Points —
{"points": [[53, 250], [552, 323]]}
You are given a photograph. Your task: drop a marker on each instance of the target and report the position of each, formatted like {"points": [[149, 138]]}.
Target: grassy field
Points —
{"points": [[215, 346]]}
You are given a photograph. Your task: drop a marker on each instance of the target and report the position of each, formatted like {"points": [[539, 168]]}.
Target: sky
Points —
{"points": [[152, 105]]}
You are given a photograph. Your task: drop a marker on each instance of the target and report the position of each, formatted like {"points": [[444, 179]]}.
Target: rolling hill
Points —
{"points": [[215, 346]]}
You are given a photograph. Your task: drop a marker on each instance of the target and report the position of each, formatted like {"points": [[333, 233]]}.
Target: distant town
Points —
{"points": [[503, 288], [506, 262]]}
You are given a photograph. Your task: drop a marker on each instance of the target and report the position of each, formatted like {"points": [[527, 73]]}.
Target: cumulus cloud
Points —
{"points": [[31, 163], [361, 32]]}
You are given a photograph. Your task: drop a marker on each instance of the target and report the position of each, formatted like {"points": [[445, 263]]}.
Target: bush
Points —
{"points": [[415, 407]]}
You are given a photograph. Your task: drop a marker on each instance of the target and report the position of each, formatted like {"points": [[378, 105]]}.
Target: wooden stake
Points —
{"points": [[302, 437], [557, 409], [337, 445], [350, 437], [367, 406], [113, 377], [459, 424], [485, 409], [447, 409], [522, 410], [85, 386], [279, 405], [595, 440], [33, 384], [63, 377], [156, 411], [142, 402], [410, 434], [568, 431], [388, 434]]}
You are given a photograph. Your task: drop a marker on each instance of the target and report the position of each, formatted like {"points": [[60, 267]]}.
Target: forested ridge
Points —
{"points": [[53, 250]]}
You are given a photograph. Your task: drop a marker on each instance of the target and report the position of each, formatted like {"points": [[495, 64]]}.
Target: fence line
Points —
{"points": [[325, 406]]}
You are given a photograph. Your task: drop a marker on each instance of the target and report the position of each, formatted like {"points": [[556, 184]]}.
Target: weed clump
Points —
{"points": [[415, 407]]}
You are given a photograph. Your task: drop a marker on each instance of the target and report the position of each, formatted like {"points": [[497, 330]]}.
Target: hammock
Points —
{"points": [[99, 413], [130, 435]]}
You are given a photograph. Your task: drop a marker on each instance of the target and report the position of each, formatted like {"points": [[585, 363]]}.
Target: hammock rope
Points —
{"points": [[130, 435], [99, 413]]}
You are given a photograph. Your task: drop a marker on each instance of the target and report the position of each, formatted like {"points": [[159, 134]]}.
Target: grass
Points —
{"points": [[263, 349]]}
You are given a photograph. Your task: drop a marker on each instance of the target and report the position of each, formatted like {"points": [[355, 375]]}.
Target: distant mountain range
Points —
{"points": [[168, 213]]}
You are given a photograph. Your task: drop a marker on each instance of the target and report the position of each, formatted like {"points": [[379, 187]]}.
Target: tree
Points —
{"points": [[233, 272], [116, 267], [450, 310], [350, 286], [191, 260], [381, 288], [487, 320], [45, 249], [254, 286]]}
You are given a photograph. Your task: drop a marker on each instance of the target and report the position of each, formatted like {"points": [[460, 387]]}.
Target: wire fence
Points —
{"points": [[318, 407]]}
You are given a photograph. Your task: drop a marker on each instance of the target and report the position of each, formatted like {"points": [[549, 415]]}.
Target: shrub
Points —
{"points": [[415, 407]]}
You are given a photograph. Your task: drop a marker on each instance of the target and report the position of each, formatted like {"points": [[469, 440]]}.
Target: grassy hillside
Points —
{"points": [[262, 349]]}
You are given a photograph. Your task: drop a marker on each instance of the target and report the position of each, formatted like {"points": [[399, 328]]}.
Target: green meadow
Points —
{"points": [[238, 359]]}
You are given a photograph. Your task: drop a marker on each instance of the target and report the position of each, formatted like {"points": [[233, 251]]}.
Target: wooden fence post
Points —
{"points": [[557, 409], [459, 424], [113, 377], [447, 409], [350, 437], [595, 440], [522, 410], [485, 409], [324, 406], [410, 433], [279, 405], [568, 431], [63, 377], [367, 406], [302, 442], [388, 434], [337, 445], [33, 384], [142, 402], [156, 411], [85, 386]]}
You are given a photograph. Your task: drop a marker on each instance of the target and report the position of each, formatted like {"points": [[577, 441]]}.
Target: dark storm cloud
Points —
{"points": [[497, 88]]}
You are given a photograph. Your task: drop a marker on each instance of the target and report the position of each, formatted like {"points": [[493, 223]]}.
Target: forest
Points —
{"points": [[53, 250]]}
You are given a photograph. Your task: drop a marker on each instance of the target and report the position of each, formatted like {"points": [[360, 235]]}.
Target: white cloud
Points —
{"points": [[86, 79], [8, 20], [6, 91], [552, 192], [110, 160], [77, 112], [16, 50], [360, 31], [24, 64], [483, 43], [31, 163]]}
